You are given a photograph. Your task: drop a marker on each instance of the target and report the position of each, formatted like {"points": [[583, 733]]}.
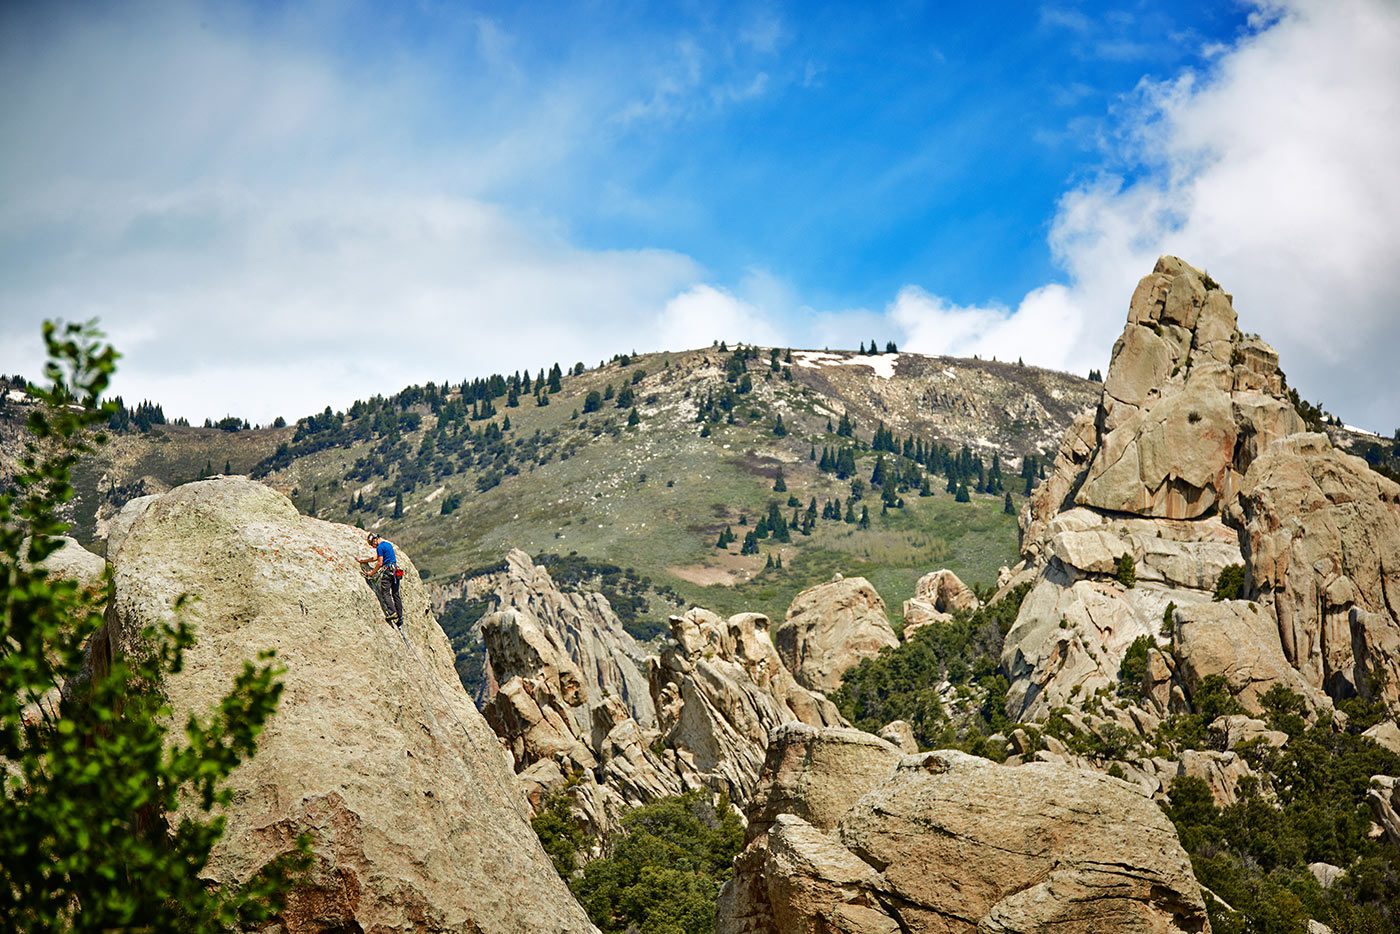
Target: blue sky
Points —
{"points": [[272, 207]]}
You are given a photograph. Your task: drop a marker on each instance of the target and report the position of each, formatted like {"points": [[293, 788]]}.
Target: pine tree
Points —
{"points": [[1007, 506], [812, 454], [865, 517], [962, 494], [780, 483], [778, 565], [779, 428], [850, 517], [768, 565], [877, 476], [228, 468], [398, 506], [633, 419]]}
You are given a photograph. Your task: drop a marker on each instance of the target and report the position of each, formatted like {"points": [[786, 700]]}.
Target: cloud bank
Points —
{"points": [[265, 229], [1277, 172]]}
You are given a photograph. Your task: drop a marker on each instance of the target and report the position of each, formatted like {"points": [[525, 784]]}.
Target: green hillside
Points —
{"points": [[644, 461]]}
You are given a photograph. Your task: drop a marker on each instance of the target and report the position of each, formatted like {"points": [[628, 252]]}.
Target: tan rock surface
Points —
{"points": [[584, 625], [1384, 798], [811, 778], [1322, 538], [74, 562], [376, 751], [937, 596], [950, 842], [719, 689], [1387, 733], [1239, 640], [830, 628]]}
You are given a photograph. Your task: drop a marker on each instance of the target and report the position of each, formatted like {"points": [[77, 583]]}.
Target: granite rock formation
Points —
{"points": [[376, 751], [1196, 461], [829, 628]]}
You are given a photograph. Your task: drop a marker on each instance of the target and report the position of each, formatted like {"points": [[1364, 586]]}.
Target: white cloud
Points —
{"points": [[262, 232], [1277, 172], [704, 314]]}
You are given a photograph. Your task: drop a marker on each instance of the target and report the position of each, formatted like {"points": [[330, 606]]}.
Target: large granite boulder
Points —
{"points": [[376, 752], [1188, 401], [1238, 640], [1196, 461], [948, 842], [830, 628], [74, 562], [937, 596]]}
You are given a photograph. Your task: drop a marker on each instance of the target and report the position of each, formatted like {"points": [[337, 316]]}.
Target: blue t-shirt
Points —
{"points": [[385, 552]]}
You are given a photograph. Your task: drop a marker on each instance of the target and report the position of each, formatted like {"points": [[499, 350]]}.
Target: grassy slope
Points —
{"points": [[653, 497]]}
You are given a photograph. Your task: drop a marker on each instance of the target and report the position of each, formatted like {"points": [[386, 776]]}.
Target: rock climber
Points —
{"points": [[384, 576]]}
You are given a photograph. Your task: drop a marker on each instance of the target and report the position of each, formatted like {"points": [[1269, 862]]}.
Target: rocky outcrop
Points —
{"points": [[1238, 640], [828, 630], [937, 596], [1384, 798], [1188, 402], [606, 765], [811, 778], [375, 751], [949, 842], [1387, 733], [1195, 461], [74, 562], [1221, 771], [118, 526], [1321, 533], [584, 625], [719, 689]]}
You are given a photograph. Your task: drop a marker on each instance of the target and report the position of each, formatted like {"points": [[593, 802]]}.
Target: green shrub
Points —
{"points": [[1230, 584], [901, 682], [1132, 673], [1127, 571], [1254, 853], [662, 873]]}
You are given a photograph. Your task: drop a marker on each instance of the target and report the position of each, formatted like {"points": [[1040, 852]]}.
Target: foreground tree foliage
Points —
{"points": [[662, 873], [88, 775]]}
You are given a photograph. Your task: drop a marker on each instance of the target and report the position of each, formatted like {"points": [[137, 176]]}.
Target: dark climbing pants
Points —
{"points": [[389, 595]]}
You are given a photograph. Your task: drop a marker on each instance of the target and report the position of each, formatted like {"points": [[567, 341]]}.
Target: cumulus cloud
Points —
{"points": [[1276, 171], [262, 232], [703, 314]]}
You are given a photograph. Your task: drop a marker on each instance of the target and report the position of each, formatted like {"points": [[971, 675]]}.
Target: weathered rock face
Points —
{"points": [[950, 842], [811, 778], [828, 630], [1239, 640], [609, 660], [937, 596], [74, 562], [719, 689], [1384, 798], [1322, 538], [1187, 402], [606, 765], [1195, 462], [376, 751]]}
